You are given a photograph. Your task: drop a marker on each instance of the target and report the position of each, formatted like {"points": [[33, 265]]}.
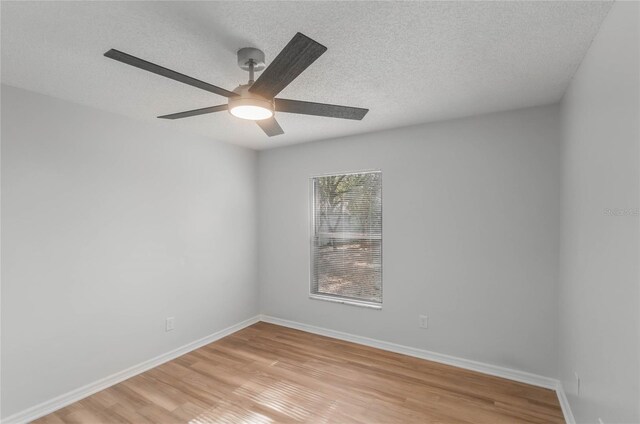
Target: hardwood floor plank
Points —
{"points": [[127, 415], [268, 374]]}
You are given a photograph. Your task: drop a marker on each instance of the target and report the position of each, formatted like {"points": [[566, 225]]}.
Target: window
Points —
{"points": [[346, 238]]}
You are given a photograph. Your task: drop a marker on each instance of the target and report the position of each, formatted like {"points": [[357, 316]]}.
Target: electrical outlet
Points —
{"points": [[423, 321], [170, 324], [577, 383]]}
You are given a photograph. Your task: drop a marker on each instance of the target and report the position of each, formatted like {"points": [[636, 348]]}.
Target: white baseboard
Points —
{"points": [[564, 404], [493, 370], [56, 403]]}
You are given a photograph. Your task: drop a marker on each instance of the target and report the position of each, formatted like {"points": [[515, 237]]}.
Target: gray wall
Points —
{"points": [[109, 225], [599, 306], [470, 228]]}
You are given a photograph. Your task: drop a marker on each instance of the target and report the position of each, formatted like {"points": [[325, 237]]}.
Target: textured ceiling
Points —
{"points": [[408, 62]]}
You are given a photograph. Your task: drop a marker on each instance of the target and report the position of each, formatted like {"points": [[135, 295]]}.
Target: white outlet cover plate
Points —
{"points": [[170, 324], [424, 321]]}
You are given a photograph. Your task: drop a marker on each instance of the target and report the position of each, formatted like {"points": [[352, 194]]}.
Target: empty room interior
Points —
{"points": [[320, 212]]}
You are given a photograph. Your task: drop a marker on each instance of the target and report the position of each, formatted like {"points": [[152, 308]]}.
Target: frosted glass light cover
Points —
{"points": [[251, 112]]}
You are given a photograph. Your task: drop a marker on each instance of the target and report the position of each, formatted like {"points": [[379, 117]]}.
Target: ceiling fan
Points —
{"points": [[256, 100]]}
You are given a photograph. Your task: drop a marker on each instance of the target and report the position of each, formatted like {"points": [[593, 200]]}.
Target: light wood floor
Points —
{"points": [[267, 373]]}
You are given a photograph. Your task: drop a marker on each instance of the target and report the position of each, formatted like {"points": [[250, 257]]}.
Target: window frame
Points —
{"points": [[335, 298]]}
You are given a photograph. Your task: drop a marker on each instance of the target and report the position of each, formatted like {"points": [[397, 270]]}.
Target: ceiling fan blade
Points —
{"points": [[157, 69], [270, 126], [319, 109], [301, 52], [195, 112]]}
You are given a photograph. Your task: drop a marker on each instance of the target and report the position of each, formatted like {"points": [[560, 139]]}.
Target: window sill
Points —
{"points": [[361, 304]]}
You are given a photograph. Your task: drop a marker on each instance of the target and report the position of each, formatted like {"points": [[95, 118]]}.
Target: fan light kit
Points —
{"points": [[256, 101], [250, 111], [250, 106]]}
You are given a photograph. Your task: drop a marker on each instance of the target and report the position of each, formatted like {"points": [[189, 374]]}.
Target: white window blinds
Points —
{"points": [[346, 245]]}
